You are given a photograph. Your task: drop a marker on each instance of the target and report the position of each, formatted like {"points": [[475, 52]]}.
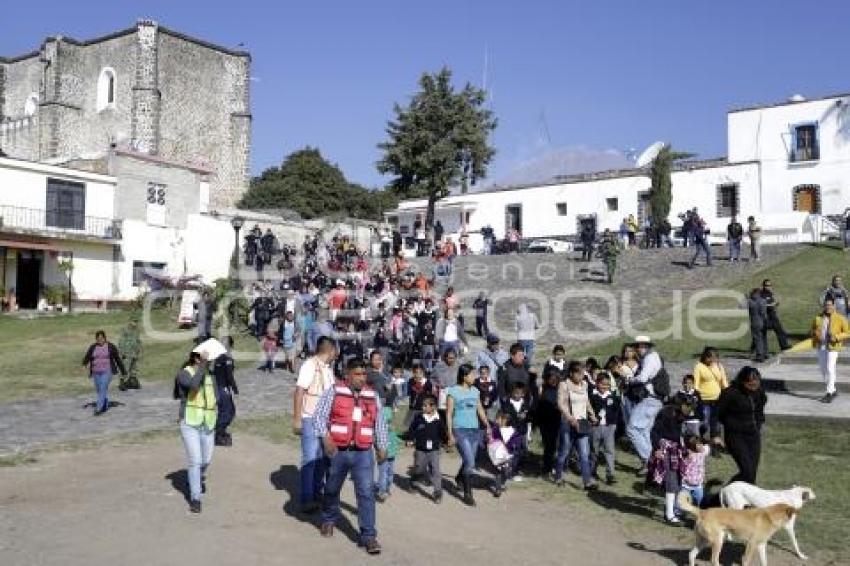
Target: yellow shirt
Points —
{"points": [[710, 380]]}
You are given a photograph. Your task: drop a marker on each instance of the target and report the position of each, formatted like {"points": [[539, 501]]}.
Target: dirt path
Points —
{"points": [[117, 504]]}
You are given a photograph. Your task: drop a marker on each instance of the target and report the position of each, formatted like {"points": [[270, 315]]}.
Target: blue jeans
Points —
{"points": [[696, 493], [734, 249], [640, 425], [385, 476], [199, 444], [360, 464], [567, 438], [467, 445], [101, 387], [426, 357], [702, 246], [313, 463], [446, 346], [528, 348]]}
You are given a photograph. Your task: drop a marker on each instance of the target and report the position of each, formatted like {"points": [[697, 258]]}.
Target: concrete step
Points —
{"points": [[806, 404], [805, 378], [810, 357]]}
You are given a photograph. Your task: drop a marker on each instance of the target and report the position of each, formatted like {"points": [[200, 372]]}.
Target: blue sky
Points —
{"points": [[604, 74]]}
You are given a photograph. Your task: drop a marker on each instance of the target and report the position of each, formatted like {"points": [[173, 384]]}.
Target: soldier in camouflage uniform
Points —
{"points": [[608, 251], [130, 346]]}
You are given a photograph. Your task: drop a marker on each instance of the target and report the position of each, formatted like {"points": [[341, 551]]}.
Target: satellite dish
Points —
{"points": [[646, 157]]}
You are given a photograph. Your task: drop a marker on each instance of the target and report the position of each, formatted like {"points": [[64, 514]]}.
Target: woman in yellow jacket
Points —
{"points": [[710, 379], [829, 331]]}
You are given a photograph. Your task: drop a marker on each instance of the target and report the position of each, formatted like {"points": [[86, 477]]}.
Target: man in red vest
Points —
{"points": [[348, 420]]}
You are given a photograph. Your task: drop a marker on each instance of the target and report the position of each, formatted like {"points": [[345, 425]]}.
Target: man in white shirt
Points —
{"points": [[314, 378]]}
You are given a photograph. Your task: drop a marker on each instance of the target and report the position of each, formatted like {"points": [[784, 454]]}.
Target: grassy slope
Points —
{"points": [[41, 357], [798, 282]]}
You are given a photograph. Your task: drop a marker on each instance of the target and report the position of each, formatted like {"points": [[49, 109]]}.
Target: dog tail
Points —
{"points": [[686, 504]]}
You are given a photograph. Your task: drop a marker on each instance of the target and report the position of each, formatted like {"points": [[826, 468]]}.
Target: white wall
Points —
{"points": [[24, 184], [764, 134]]}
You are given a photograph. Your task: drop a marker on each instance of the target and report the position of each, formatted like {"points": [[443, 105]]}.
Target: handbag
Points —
{"points": [[583, 428]]}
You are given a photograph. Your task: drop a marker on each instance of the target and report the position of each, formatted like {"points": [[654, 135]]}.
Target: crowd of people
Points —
{"points": [[368, 342]]}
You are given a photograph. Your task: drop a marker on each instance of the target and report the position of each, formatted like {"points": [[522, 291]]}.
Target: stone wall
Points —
{"points": [[175, 96], [205, 116]]}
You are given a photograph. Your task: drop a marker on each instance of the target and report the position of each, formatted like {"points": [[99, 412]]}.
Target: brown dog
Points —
{"points": [[753, 526]]}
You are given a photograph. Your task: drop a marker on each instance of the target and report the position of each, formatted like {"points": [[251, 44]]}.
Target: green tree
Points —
{"points": [[661, 192], [438, 140], [313, 187]]}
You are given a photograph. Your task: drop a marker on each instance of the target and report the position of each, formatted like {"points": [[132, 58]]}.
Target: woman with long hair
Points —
{"points": [[740, 410], [464, 413], [710, 380]]}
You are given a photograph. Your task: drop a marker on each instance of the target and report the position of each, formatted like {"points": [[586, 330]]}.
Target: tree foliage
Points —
{"points": [[661, 192], [440, 139], [311, 186]]}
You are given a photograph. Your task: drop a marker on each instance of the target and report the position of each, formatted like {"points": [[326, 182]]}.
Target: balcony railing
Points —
{"points": [[58, 222]]}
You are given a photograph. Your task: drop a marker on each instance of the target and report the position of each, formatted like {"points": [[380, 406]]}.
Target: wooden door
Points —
{"points": [[806, 200]]}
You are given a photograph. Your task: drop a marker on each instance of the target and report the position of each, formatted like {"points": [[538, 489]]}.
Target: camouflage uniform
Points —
{"points": [[130, 346], [608, 251]]}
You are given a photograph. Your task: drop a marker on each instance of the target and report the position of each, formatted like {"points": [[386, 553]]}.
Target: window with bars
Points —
{"points": [[804, 143], [157, 196], [66, 204], [728, 200]]}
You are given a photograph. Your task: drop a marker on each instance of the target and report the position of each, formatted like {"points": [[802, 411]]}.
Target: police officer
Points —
{"points": [[608, 251], [130, 346], [349, 423]]}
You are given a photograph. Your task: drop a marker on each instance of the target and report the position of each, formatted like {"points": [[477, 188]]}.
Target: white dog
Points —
{"points": [[739, 495]]}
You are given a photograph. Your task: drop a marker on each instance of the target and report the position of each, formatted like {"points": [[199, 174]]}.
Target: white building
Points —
{"points": [[114, 219], [786, 162]]}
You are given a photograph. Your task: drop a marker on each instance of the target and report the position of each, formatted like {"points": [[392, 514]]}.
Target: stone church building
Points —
{"points": [[146, 91]]}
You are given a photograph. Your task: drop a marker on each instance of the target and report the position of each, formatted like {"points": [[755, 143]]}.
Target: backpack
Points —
{"points": [[661, 383], [637, 392]]}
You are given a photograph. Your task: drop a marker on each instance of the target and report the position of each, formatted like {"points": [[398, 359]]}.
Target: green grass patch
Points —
{"points": [[276, 428], [42, 357], [796, 451], [798, 282]]}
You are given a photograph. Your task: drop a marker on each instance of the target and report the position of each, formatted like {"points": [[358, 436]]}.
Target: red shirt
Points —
{"points": [[337, 298]]}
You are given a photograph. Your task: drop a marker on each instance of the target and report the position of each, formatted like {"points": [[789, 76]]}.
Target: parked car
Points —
{"points": [[549, 246]]}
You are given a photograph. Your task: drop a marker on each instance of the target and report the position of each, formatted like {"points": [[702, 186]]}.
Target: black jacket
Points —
{"points": [[518, 419], [508, 375], [115, 362], [223, 371], [609, 404], [741, 411], [667, 425], [421, 431]]}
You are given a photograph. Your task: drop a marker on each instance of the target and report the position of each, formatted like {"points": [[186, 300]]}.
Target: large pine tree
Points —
{"points": [[437, 141]]}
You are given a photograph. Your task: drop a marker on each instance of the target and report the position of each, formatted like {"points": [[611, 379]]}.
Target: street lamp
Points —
{"points": [[236, 222]]}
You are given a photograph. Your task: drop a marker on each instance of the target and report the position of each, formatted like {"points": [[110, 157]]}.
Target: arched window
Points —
{"points": [[106, 89], [31, 105]]}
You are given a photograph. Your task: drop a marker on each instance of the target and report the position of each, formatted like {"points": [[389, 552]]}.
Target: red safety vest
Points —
{"points": [[346, 430]]}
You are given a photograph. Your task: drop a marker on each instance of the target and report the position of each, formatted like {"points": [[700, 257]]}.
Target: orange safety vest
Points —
{"points": [[353, 417]]}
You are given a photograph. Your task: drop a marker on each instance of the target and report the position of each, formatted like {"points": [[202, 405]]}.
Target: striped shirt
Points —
{"points": [[323, 413]]}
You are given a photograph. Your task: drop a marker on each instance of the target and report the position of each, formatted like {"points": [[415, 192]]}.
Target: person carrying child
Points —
{"points": [[606, 405], [425, 434], [505, 448]]}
